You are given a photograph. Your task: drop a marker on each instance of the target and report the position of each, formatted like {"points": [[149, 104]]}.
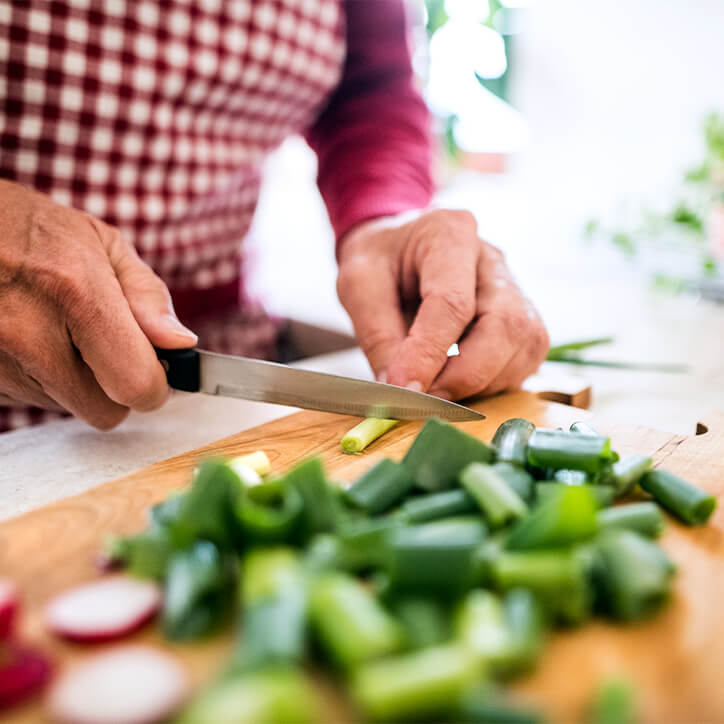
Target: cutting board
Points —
{"points": [[675, 660]]}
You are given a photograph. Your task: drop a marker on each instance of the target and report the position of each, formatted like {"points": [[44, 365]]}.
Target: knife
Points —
{"points": [[196, 370]]}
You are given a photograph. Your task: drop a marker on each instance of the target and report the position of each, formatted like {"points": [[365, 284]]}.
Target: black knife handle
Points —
{"points": [[183, 368]]}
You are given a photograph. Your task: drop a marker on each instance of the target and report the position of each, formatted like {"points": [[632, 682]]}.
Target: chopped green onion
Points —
{"points": [[627, 472], [418, 685], [360, 436], [269, 512], [274, 696], [603, 494], [423, 508], [687, 502], [570, 477], [644, 518], [199, 592], [485, 704], [634, 575], [145, 555], [436, 558], [381, 487], [350, 623], [613, 703], [480, 625], [517, 478], [319, 504], [583, 428], [269, 572], [440, 451], [496, 498], [527, 628], [511, 440], [251, 468], [559, 449], [363, 543], [558, 577], [565, 518], [424, 620]]}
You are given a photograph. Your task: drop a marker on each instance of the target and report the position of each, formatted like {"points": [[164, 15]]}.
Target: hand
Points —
{"points": [[416, 284], [80, 314]]}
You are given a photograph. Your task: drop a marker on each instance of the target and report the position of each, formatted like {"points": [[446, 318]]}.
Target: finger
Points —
{"points": [[370, 295], [16, 388], [110, 341], [147, 296], [484, 353], [447, 291]]}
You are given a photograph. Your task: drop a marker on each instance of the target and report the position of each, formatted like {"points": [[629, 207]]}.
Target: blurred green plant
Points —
{"points": [[685, 225]]}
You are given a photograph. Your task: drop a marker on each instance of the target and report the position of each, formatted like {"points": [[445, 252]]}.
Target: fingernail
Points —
{"points": [[382, 376], [414, 385], [173, 324]]}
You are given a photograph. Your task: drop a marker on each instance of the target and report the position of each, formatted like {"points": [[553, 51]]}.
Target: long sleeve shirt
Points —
{"points": [[156, 117]]}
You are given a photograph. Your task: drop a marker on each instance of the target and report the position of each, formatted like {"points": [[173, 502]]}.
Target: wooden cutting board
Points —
{"points": [[675, 661]]}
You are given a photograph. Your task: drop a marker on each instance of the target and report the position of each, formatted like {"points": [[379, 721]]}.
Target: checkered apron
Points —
{"points": [[155, 117]]}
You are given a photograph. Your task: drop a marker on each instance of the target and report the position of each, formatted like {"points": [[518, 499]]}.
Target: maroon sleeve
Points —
{"points": [[373, 138]]}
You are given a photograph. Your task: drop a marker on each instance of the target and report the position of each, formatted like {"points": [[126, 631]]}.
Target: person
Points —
{"points": [[131, 136]]}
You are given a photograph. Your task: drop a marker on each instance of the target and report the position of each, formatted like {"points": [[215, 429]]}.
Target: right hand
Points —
{"points": [[79, 314]]}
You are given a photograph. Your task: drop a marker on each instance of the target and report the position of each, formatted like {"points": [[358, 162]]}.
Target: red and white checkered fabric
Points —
{"points": [[155, 117]]}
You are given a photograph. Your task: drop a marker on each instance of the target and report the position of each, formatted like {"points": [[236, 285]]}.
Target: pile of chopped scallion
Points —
{"points": [[424, 586]]}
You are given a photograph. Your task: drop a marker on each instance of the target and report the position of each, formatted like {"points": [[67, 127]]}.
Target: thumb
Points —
{"points": [[148, 297], [371, 299]]}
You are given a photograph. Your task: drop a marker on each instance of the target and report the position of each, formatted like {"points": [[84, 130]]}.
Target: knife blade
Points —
{"points": [[196, 370]]}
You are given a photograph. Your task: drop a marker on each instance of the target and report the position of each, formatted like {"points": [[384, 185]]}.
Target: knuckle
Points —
{"points": [[375, 342], [457, 306]]}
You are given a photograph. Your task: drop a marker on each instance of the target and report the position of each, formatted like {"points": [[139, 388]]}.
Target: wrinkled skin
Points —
{"points": [[415, 284], [80, 314]]}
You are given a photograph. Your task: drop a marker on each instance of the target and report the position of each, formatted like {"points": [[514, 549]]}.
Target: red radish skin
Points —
{"points": [[9, 602], [103, 610], [23, 672], [127, 684]]}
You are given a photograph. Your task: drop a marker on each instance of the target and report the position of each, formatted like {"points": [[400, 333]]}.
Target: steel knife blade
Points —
{"points": [[196, 370]]}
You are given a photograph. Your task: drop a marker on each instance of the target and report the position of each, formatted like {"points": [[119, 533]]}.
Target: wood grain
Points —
{"points": [[674, 660]]}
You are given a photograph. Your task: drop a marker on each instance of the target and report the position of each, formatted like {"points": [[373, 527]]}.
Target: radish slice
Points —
{"points": [[23, 672], [103, 610], [128, 684], [8, 607]]}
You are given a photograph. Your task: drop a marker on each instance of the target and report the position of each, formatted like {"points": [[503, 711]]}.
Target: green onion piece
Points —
{"points": [[634, 575], [360, 436], [583, 428], [256, 462], [613, 703], [627, 472], [436, 558], [440, 451], [603, 494], [687, 502], [511, 440], [269, 512], [276, 696], [486, 704], [269, 572], [559, 578], [323, 553], [381, 487], [481, 627], [559, 449], [517, 478], [319, 503], [527, 627], [351, 624], [145, 555], [425, 621], [644, 518], [199, 592], [570, 477], [206, 510], [163, 514], [565, 518], [424, 508], [418, 685], [273, 633], [561, 350], [496, 498], [363, 543]]}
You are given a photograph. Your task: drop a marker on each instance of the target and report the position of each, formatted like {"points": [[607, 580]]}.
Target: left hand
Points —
{"points": [[419, 282]]}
